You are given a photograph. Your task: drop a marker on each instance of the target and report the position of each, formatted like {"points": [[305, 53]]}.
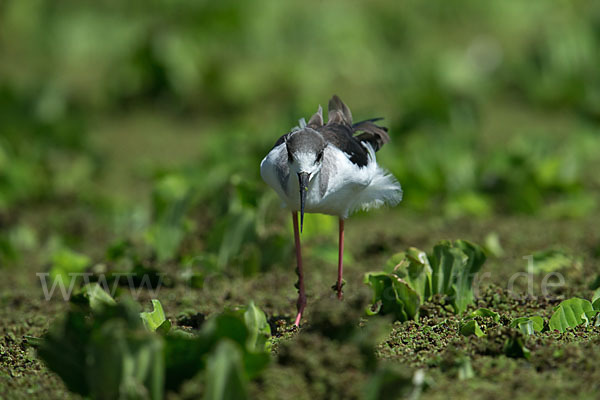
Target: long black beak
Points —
{"points": [[303, 183]]}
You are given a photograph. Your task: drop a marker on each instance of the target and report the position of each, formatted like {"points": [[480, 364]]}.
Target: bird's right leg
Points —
{"points": [[301, 296]]}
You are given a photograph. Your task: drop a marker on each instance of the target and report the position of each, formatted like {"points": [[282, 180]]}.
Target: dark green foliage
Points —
{"points": [[414, 277], [114, 352]]}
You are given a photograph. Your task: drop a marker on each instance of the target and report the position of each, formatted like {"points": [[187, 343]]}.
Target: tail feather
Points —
{"points": [[338, 112], [374, 134], [316, 120]]}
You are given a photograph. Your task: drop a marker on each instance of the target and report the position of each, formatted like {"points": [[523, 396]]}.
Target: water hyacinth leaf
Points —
{"points": [[96, 297], [463, 288], [454, 266], [413, 266], [538, 323], [392, 295], [122, 365], [591, 318], [225, 378], [412, 277], [446, 260], [569, 314], [258, 327], [156, 321], [471, 327], [485, 312], [528, 325], [408, 296]]}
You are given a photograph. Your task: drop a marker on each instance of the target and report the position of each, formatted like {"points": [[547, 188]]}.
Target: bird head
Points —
{"points": [[305, 158]]}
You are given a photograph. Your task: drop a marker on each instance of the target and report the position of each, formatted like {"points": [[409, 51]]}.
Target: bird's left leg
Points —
{"points": [[301, 303], [340, 260]]}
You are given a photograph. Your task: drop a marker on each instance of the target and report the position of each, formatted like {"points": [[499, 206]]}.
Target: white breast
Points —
{"points": [[340, 188]]}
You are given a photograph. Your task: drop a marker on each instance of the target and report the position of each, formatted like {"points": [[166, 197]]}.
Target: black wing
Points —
{"points": [[340, 136]]}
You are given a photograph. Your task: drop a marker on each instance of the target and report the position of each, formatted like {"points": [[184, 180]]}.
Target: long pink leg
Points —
{"points": [[301, 303], [340, 259]]}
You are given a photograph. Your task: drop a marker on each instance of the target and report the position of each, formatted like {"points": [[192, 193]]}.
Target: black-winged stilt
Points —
{"points": [[325, 168]]}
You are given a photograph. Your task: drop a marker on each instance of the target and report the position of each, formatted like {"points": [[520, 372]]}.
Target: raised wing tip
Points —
{"points": [[338, 112]]}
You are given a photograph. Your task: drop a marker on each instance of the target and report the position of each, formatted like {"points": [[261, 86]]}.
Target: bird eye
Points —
{"points": [[319, 157]]}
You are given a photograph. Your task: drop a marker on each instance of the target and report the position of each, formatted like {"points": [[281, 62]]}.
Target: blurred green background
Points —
{"points": [[139, 126]]}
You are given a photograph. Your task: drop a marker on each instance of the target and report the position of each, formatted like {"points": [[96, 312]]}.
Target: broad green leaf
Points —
{"points": [[392, 295], [454, 266], [538, 323], [156, 320], [225, 378], [94, 296], [569, 314], [107, 354], [124, 365], [447, 260], [258, 328], [528, 325], [484, 312], [471, 327], [413, 267], [591, 318], [463, 286], [412, 277]]}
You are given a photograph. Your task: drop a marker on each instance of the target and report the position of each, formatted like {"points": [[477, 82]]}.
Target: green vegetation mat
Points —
{"points": [[130, 144]]}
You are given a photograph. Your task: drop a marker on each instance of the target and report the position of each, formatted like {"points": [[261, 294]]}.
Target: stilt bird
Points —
{"points": [[329, 169]]}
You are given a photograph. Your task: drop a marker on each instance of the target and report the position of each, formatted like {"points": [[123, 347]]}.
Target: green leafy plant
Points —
{"points": [[528, 325], [111, 350], [470, 327], [259, 330], [156, 321], [571, 313], [486, 312], [93, 296], [413, 277]]}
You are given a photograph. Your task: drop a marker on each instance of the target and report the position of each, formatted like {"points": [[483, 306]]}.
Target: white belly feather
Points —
{"points": [[348, 187]]}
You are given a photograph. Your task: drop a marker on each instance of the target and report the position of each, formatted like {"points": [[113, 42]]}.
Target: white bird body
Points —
{"points": [[343, 189], [326, 169]]}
